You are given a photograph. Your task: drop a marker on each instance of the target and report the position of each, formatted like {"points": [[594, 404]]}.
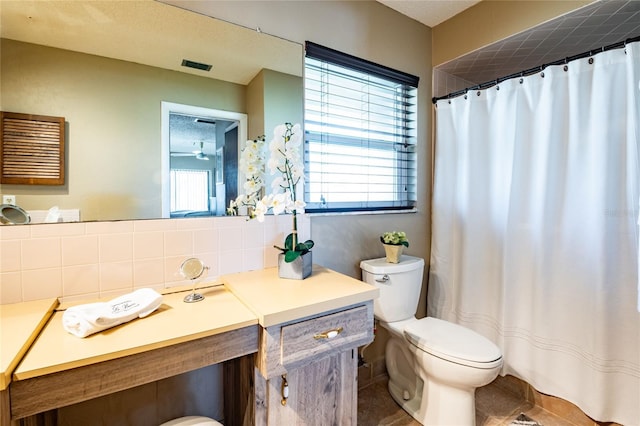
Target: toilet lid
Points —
{"points": [[452, 342]]}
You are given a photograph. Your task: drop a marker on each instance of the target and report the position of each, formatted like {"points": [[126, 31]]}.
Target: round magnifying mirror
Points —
{"points": [[192, 269], [13, 215]]}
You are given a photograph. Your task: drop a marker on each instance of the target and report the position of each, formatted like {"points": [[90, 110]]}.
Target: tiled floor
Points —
{"points": [[494, 407]]}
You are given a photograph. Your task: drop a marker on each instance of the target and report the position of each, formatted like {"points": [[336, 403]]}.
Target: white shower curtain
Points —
{"points": [[535, 227]]}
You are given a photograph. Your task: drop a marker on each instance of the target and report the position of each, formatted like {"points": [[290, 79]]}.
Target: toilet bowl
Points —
{"points": [[434, 366], [192, 421]]}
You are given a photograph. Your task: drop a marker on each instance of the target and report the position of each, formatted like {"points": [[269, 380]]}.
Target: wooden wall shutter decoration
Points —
{"points": [[31, 149]]}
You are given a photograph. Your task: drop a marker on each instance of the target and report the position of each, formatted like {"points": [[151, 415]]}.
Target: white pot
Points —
{"points": [[393, 252], [299, 269]]}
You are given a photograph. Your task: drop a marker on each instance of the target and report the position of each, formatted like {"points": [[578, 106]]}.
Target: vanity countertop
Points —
{"points": [[275, 300], [173, 322], [20, 325]]}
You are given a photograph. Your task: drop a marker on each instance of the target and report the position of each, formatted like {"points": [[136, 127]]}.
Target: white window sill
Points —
{"points": [[361, 213]]}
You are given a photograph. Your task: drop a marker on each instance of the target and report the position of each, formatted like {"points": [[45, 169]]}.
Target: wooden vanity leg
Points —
{"points": [[5, 408], [47, 418], [239, 396]]}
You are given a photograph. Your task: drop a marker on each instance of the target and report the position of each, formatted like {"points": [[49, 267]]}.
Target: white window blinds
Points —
{"points": [[360, 134], [189, 190]]}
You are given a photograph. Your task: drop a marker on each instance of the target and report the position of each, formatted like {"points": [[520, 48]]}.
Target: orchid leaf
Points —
{"points": [[288, 242], [290, 256]]}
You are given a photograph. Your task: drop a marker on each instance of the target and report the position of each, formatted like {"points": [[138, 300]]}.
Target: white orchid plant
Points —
{"points": [[251, 164], [285, 161]]}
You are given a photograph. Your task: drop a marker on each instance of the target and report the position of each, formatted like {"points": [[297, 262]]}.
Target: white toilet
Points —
{"points": [[192, 421], [434, 366]]}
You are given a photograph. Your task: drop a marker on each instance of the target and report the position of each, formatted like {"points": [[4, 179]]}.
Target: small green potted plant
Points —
{"points": [[394, 242]]}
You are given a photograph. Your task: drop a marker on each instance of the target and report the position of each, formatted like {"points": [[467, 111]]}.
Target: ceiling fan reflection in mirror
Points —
{"points": [[199, 155]]}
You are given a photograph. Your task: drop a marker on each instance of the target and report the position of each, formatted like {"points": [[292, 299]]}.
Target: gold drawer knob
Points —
{"points": [[329, 334]]}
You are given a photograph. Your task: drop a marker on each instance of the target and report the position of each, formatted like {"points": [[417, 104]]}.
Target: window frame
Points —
{"points": [[332, 57]]}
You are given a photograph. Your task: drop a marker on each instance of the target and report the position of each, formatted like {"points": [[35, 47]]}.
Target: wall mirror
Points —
{"points": [[109, 67]]}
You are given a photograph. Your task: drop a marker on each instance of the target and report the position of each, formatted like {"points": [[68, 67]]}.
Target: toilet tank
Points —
{"points": [[399, 284]]}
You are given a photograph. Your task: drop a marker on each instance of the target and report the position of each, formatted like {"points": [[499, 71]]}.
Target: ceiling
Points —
{"points": [[599, 24], [429, 12], [189, 135], [591, 27], [128, 30]]}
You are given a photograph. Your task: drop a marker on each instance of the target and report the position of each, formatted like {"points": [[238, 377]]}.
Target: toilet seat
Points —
{"points": [[453, 342], [192, 421]]}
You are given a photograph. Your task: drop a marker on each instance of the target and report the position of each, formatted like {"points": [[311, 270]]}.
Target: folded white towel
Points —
{"points": [[83, 320]]}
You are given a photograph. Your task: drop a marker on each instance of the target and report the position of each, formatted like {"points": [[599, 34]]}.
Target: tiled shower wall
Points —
{"points": [[445, 83], [87, 260]]}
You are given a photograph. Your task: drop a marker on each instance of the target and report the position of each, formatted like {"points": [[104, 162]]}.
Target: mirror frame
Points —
{"points": [[170, 107]]}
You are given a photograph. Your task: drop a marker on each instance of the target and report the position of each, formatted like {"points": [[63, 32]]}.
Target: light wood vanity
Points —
{"points": [[306, 367], [21, 324], [264, 329]]}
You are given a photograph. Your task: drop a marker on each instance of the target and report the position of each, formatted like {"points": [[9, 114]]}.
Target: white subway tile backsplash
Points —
{"points": [[271, 256], [205, 240], [154, 225], [231, 222], [116, 247], [148, 272], [230, 239], [41, 253], [10, 287], [148, 245], [253, 259], [253, 236], [10, 259], [116, 276], [178, 243], [10, 232], [84, 261], [81, 279], [194, 223], [84, 298], [44, 230], [117, 227], [82, 250], [230, 262], [41, 283]]}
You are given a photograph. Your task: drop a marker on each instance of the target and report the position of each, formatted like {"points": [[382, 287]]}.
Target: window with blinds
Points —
{"points": [[189, 190], [360, 134]]}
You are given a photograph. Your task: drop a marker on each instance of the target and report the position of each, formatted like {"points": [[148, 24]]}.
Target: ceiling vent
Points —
{"points": [[196, 65]]}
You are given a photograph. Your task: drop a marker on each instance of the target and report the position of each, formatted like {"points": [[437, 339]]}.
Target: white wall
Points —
{"points": [[371, 31]]}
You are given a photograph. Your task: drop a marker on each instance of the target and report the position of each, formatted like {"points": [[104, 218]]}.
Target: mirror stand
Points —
{"points": [[193, 269], [193, 297]]}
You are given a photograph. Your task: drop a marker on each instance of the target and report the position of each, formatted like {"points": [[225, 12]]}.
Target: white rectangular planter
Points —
{"points": [[299, 269], [393, 252]]}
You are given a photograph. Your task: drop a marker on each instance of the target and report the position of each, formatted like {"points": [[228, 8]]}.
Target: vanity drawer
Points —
{"points": [[325, 335]]}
